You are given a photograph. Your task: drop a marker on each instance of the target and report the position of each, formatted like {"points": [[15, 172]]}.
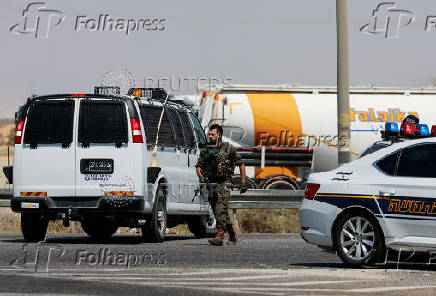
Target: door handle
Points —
{"points": [[387, 192]]}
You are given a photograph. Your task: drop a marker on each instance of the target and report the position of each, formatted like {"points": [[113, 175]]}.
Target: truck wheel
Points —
{"points": [[99, 230], [33, 227], [154, 229], [279, 182], [359, 240]]}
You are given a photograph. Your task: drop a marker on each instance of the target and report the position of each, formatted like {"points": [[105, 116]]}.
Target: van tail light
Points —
{"points": [[407, 129], [19, 132], [311, 190], [136, 131]]}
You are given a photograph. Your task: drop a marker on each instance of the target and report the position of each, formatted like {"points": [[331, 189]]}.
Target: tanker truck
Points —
{"points": [[284, 132]]}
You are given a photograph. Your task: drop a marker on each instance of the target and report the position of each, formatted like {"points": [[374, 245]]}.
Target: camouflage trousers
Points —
{"points": [[219, 196]]}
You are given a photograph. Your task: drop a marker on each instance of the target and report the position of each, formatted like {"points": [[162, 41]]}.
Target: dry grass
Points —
{"points": [[261, 221], [269, 221]]}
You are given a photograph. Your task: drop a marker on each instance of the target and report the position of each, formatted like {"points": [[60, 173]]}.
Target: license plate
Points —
{"points": [[30, 205], [96, 166]]}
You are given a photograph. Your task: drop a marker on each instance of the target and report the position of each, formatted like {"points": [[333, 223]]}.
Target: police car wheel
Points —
{"points": [[33, 227], [99, 230], [156, 226], [358, 240]]}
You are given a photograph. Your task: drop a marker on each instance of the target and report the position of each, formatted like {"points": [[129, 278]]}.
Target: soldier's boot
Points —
{"points": [[218, 239], [232, 236]]}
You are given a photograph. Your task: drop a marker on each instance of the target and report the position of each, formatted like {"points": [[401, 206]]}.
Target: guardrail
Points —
{"points": [[252, 199], [264, 199], [5, 196]]}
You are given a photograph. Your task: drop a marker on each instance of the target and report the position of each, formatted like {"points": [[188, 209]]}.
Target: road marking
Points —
{"points": [[242, 281], [387, 289]]}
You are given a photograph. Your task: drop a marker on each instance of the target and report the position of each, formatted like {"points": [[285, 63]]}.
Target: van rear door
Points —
{"points": [[104, 159], [44, 162]]}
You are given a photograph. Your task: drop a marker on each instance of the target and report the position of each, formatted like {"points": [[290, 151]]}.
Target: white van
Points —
{"points": [[87, 158]]}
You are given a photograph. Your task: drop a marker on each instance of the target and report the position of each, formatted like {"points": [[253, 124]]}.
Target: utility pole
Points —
{"points": [[343, 98]]}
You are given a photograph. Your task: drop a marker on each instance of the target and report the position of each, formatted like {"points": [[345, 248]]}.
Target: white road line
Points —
{"points": [[144, 276], [214, 282], [154, 274], [387, 289]]}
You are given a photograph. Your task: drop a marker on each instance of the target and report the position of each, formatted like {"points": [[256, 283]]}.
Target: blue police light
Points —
{"points": [[422, 130], [391, 127]]}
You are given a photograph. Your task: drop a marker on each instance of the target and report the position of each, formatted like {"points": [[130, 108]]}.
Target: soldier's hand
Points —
{"points": [[243, 187], [202, 179]]}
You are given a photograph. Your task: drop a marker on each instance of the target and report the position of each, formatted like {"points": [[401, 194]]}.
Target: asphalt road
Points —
{"points": [[260, 264]]}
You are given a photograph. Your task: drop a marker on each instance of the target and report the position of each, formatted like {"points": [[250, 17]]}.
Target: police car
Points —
{"points": [[383, 200], [88, 158]]}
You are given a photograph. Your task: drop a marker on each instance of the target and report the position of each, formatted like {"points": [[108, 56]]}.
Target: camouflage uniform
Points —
{"points": [[217, 164]]}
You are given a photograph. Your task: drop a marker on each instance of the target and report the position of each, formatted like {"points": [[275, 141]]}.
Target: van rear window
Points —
{"points": [[50, 122], [102, 121]]}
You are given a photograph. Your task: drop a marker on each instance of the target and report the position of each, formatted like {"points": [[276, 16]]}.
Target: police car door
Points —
{"points": [[105, 161], [411, 193], [45, 152]]}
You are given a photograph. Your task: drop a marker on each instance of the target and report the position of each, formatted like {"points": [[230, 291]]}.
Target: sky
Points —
{"points": [[244, 41]]}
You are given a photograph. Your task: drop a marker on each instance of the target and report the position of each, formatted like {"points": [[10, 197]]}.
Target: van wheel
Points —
{"points": [[99, 230], [202, 226], [154, 229], [33, 227], [359, 240]]}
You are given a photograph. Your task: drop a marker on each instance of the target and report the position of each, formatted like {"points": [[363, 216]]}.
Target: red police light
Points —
{"points": [[407, 129], [433, 130]]}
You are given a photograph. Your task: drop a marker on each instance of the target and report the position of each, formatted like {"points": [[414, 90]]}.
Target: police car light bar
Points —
{"points": [[422, 130], [107, 90], [433, 130]]}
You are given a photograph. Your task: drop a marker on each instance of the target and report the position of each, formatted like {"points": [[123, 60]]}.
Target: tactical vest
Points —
{"points": [[218, 164]]}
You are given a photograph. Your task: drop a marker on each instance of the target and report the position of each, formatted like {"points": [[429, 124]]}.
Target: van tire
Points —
{"points": [[99, 230], [154, 229], [33, 227], [198, 226]]}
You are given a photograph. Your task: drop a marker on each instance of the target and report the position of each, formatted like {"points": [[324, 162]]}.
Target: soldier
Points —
{"points": [[214, 167]]}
